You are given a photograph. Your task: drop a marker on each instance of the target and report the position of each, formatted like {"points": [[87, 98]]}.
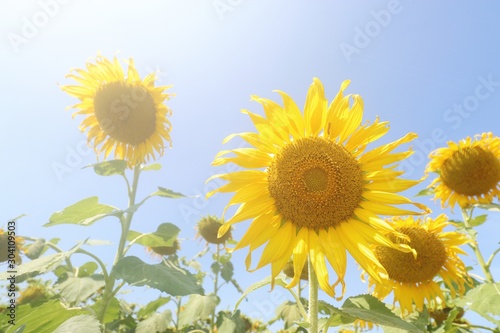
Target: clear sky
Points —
{"points": [[427, 67]]}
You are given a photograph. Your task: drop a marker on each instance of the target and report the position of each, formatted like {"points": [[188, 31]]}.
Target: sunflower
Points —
{"points": [[123, 113], [11, 248], [469, 171], [208, 229], [164, 250], [311, 189], [412, 278]]}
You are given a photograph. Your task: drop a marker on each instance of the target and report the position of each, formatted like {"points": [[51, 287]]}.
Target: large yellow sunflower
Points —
{"points": [[311, 189], [469, 171], [122, 112], [412, 278]]}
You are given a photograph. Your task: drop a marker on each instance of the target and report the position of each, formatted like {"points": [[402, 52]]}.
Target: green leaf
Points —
{"points": [[20, 329], [44, 318], [165, 235], [425, 192], [485, 300], [367, 307], [75, 290], [87, 269], [151, 307], [153, 167], [478, 220], [337, 317], [492, 207], [158, 322], [84, 212], [198, 307], [166, 193], [289, 312], [231, 324], [113, 309], [80, 324], [165, 276], [108, 168], [227, 271], [419, 319], [41, 265]]}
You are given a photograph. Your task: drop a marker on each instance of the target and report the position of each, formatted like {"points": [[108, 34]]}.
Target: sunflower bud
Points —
{"points": [[208, 228], [166, 250], [288, 270]]}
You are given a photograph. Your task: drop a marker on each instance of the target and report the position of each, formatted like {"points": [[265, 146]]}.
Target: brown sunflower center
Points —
{"points": [[403, 267], [125, 112], [315, 183], [471, 171]]}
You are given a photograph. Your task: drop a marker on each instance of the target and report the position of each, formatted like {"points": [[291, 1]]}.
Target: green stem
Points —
{"points": [[313, 299], [125, 221], [468, 326], [467, 216], [179, 305], [216, 285], [93, 256], [490, 259]]}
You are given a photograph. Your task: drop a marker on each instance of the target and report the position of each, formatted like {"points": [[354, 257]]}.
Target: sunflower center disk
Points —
{"points": [[125, 112], [471, 171], [315, 183], [404, 268]]}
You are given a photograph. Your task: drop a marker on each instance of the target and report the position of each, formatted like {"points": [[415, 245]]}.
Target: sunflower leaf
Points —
{"points": [[80, 324], [227, 323], [485, 300], [151, 307], [167, 193], [337, 317], [289, 312], [20, 329], [165, 235], [165, 276], [113, 309], [44, 318], [425, 192], [75, 290], [84, 212], [109, 168], [198, 307], [151, 167], [369, 308], [158, 322], [40, 265], [491, 207], [478, 220], [227, 271]]}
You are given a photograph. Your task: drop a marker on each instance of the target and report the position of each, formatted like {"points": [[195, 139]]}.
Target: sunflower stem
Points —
{"points": [[216, 286], [313, 299], [467, 216], [125, 221]]}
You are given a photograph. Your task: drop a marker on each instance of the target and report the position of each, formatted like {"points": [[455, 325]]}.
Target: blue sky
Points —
{"points": [[427, 67]]}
